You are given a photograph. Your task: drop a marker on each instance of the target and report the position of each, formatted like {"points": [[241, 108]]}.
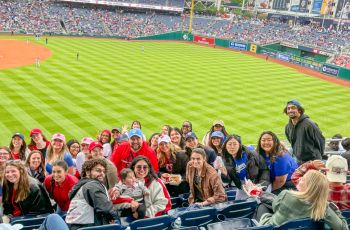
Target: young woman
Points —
{"points": [[241, 164], [38, 141], [205, 184], [73, 148], [176, 138], [84, 154], [35, 165], [186, 128], [158, 201], [58, 151], [5, 154], [59, 184], [172, 161], [18, 147], [105, 139], [22, 194], [280, 163], [166, 130], [218, 125], [216, 141], [153, 141], [310, 201]]}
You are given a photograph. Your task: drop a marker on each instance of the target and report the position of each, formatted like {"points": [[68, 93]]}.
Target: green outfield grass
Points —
{"points": [[114, 82]]}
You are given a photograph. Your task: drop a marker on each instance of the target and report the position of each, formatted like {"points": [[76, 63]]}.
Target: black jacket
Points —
{"points": [[179, 165], [95, 195], [257, 169], [306, 139], [36, 203]]}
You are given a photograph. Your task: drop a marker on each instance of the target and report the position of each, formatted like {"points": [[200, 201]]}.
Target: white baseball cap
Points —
{"points": [[337, 169]]}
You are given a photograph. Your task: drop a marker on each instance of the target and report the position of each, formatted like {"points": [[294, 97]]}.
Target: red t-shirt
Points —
{"points": [[15, 156], [60, 192], [16, 210]]}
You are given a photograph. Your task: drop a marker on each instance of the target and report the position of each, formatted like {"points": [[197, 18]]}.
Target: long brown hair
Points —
{"points": [[22, 150], [42, 164], [32, 143], [61, 155], [22, 191], [277, 150]]}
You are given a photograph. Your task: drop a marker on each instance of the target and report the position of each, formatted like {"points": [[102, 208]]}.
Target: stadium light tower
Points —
{"points": [[189, 7]]}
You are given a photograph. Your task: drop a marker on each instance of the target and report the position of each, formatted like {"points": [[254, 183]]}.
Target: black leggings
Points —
{"points": [[141, 212]]}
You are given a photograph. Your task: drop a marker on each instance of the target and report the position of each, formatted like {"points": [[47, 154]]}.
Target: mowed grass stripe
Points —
{"points": [[116, 82]]}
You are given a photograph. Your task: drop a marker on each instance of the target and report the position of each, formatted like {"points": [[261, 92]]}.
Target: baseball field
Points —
{"points": [[113, 82]]}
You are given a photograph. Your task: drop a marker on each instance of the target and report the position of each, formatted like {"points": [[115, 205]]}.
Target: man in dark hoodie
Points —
{"points": [[303, 134], [90, 204]]}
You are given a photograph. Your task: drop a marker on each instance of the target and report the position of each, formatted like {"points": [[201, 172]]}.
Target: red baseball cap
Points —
{"points": [[94, 145], [106, 131], [35, 131]]}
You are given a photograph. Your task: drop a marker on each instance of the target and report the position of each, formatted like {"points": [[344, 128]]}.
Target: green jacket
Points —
{"points": [[287, 207]]}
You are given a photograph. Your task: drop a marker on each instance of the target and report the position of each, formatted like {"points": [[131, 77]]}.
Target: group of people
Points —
{"points": [[342, 60], [121, 173]]}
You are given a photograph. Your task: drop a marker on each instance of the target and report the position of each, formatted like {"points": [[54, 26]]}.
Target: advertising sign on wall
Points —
{"points": [[238, 46], [203, 40], [330, 70]]}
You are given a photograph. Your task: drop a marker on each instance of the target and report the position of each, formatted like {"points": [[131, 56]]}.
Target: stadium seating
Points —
{"points": [[161, 222], [238, 223], [302, 224], [200, 217], [346, 214], [29, 223], [238, 209], [176, 202], [104, 227]]}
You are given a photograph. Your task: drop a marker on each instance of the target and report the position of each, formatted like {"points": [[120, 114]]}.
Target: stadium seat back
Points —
{"points": [[200, 217], [239, 209], [159, 223]]}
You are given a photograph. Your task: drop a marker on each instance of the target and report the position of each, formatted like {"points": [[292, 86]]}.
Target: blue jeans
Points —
{"points": [[53, 222]]}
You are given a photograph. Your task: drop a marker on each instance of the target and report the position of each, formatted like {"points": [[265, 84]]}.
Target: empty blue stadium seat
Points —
{"points": [[29, 223], [176, 202], [159, 223], [200, 217], [104, 227], [239, 209], [302, 224]]}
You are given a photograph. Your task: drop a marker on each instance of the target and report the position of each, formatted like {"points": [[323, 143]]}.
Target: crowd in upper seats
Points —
{"points": [[342, 60], [46, 16], [121, 173]]}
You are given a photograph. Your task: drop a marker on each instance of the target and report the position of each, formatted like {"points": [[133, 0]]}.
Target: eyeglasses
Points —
{"points": [[186, 126], [4, 153], [144, 167]]}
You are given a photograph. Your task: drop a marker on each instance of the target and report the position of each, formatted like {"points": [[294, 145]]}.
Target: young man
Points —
{"points": [[90, 204], [303, 134]]}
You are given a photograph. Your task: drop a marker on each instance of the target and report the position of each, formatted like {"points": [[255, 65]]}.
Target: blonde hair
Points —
{"points": [[162, 157], [61, 154], [316, 193]]}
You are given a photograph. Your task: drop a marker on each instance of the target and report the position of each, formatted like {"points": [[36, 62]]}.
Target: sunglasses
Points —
{"points": [[144, 167], [186, 126]]}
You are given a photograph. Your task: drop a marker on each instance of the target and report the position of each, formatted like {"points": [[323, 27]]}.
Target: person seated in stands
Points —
{"points": [[172, 160], [280, 163], [35, 164], [90, 204], [131, 190], [241, 164], [336, 169], [218, 125], [309, 201], [22, 194], [346, 145], [334, 145], [205, 184], [192, 143], [59, 184]]}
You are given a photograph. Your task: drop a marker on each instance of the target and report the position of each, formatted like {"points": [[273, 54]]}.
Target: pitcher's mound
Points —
{"points": [[15, 53]]}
